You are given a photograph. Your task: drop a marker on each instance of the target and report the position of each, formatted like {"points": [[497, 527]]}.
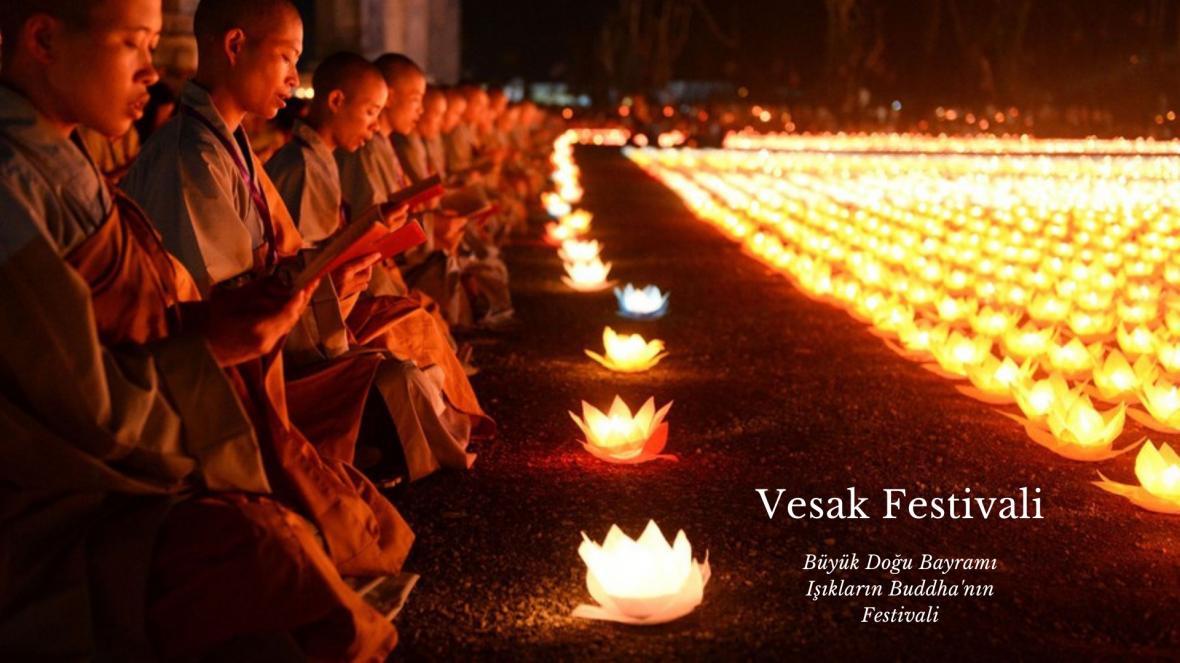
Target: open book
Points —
{"points": [[357, 239], [469, 201], [369, 234]]}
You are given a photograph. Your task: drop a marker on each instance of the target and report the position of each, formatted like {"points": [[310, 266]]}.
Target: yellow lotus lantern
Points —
{"points": [[1027, 342], [1158, 471], [1161, 398], [589, 276], [1168, 354], [993, 379], [1036, 397], [578, 221], [619, 437], [641, 581], [958, 352], [1136, 341], [628, 353], [1074, 359], [574, 250], [1116, 381], [992, 322], [557, 234], [1078, 431]]}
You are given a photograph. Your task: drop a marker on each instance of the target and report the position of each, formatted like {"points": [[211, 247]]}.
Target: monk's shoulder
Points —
{"points": [[26, 205]]}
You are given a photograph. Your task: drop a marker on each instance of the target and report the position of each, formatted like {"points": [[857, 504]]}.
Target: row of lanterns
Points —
{"points": [[634, 581], [1046, 283]]}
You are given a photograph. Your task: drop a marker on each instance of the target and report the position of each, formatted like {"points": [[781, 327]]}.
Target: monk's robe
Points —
{"points": [[220, 215], [461, 147], [305, 174], [369, 176], [480, 261], [152, 503]]}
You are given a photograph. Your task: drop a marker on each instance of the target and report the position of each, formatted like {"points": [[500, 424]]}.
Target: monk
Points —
{"points": [[221, 215], [155, 504], [349, 94], [371, 174]]}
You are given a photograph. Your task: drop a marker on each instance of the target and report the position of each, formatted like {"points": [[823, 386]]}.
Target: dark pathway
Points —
{"points": [[771, 390]]}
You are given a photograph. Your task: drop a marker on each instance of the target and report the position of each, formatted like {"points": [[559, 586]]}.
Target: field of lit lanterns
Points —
{"points": [[1040, 277]]}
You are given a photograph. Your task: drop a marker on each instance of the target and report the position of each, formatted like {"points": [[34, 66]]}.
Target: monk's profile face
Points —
{"points": [[456, 106], [100, 72], [405, 102], [355, 118], [477, 106], [263, 64], [433, 110]]}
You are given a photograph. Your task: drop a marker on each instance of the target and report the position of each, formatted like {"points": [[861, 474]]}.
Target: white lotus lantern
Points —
{"points": [[646, 303], [641, 581], [589, 276], [574, 250]]}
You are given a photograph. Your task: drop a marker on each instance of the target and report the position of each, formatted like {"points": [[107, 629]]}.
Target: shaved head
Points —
{"points": [[214, 18], [75, 14], [396, 68], [344, 71]]}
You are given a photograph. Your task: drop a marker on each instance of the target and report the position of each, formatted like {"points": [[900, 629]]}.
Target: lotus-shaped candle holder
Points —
{"points": [[1161, 398], [589, 276], [628, 353], [578, 221], [574, 250], [647, 303], [642, 581], [619, 437], [1117, 381], [992, 381], [1158, 471], [557, 234], [1135, 341], [555, 205], [957, 352], [992, 322], [1074, 359], [1168, 354], [1036, 397], [1078, 431], [1027, 342]]}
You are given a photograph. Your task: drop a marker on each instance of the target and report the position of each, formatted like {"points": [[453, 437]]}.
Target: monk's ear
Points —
{"points": [[335, 100], [41, 35], [234, 42]]}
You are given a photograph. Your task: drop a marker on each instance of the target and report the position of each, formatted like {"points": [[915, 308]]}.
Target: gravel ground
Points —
{"points": [[771, 390]]}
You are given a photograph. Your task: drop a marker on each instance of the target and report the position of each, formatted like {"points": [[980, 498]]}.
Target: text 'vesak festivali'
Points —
{"points": [[1024, 505]]}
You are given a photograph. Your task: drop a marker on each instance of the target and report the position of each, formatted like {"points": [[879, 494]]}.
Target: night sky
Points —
{"points": [[1072, 49]]}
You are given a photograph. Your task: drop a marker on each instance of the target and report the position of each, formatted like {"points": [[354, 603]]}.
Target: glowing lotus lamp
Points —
{"points": [[1078, 431], [1158, 471], [557, 234], [646, 303], [641, 581], [589, 276], [628, 353], [955, 354], [1117, 381], [990, 322], [1073, 359], [619, 437], [578, 221], [555, 205], [1136, 341], [1168, 354], [1036, 397], [1161, 398], [574, 250], [992, 380], [1027, 342]]}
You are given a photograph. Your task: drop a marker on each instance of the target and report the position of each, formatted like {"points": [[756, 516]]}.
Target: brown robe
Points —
{"points": [[74, 514]]}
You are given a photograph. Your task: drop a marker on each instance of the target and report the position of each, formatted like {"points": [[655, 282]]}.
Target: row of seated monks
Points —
{"points": [[194, 452]]}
